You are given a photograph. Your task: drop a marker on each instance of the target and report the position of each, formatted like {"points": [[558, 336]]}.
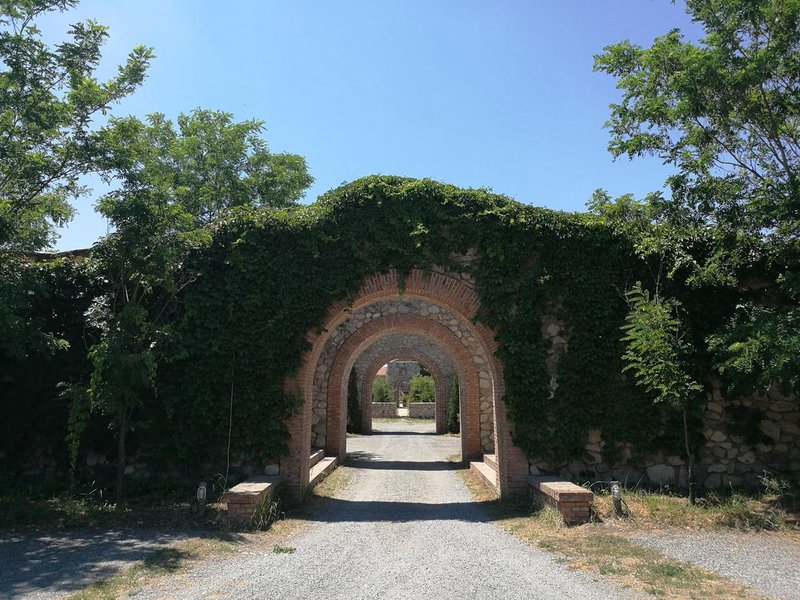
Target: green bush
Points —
{"points": [[381, 390], [353, 404], [453, 422], [421, 389]]}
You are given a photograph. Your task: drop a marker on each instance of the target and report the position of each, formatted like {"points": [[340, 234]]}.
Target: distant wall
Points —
{"points": [[384, 410], [422, 410]]}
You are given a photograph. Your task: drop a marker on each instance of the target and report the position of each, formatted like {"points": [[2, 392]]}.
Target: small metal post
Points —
{"points": [[202, 493], [616, 498]]}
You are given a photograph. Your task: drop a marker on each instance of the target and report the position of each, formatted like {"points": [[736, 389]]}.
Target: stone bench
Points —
{"points": [[243, 498], [573, 502]]}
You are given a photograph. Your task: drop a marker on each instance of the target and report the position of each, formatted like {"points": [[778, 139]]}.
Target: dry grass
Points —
{"points": [[596, 549], [336, 481], [734, 510]]}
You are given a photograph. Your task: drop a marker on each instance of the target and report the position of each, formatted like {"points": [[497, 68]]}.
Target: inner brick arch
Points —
{"points": [[439, 380], [435, 304], [386, 326]]}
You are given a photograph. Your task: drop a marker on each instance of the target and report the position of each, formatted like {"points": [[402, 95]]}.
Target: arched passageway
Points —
{"points": [[411, 348], [435, 308]]}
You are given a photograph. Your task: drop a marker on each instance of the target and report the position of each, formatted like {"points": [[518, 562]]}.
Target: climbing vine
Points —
{"points": [[269, 276]]}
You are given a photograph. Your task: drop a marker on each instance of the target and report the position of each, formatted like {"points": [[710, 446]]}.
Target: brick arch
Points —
{"points": [[455, 294], [404, 354], [385, 326], [436, 288]]}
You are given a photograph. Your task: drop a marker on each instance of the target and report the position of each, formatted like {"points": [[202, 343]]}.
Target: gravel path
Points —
{"points": [[406, 528], [51, 566], [765, 562]]}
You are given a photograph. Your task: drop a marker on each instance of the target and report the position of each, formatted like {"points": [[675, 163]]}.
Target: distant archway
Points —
{"points": [[440, 381]]}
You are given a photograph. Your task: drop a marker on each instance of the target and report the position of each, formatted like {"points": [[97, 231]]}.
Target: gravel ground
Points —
{"points": [[51, 566], [766, 562], [406, 528]]}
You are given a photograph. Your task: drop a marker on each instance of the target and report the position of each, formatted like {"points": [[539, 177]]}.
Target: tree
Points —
{"points": [[174, 183], [453, 423], [49, 99], [205, 165], [381, 390], [353, 404], [124, 370], [725, 113], [656, 353], [421, 388]]}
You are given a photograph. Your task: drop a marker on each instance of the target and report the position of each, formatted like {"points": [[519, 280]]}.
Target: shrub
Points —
{"points": [[381, 390], [421, 389], [453, 423]]}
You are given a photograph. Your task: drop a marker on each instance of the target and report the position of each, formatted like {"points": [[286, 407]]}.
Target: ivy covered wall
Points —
{"points": [[551, 285]]}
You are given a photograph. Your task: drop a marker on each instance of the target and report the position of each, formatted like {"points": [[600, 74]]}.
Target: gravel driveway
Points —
{"points": [[40, 567], [406, 528], [762, 561]]}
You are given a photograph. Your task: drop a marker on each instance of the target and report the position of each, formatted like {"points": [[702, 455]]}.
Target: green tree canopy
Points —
{"points": [[421, 388], [49, 98], [725, 113], [381, 390], [173, 185], [203, 165]]}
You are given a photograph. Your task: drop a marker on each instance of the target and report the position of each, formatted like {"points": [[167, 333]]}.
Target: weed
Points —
{"points": [[773, 485], [734, 509], [669, 569], [266, 512], [278, 549], [549, 517], [743, 513]]}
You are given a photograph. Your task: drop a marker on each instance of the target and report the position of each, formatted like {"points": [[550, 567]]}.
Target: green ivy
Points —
{"points": [[268, 277]]}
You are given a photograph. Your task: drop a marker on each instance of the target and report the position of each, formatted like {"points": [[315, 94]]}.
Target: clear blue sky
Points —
{"points": [[475, 93]]}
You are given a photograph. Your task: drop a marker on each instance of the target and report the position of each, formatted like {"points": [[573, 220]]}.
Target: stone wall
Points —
{"points": [[746, 436], [400, 373], [742, 438], [422, 410], [384, 410]]}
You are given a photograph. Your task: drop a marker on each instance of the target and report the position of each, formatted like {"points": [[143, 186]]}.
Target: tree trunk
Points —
{"points": [[119, 489], [689, 456]]}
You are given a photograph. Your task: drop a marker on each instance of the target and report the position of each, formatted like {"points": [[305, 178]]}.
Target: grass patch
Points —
{"points": [[24, 509], [183, 556], [596, 549], [734, 510], [336, 481]]}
